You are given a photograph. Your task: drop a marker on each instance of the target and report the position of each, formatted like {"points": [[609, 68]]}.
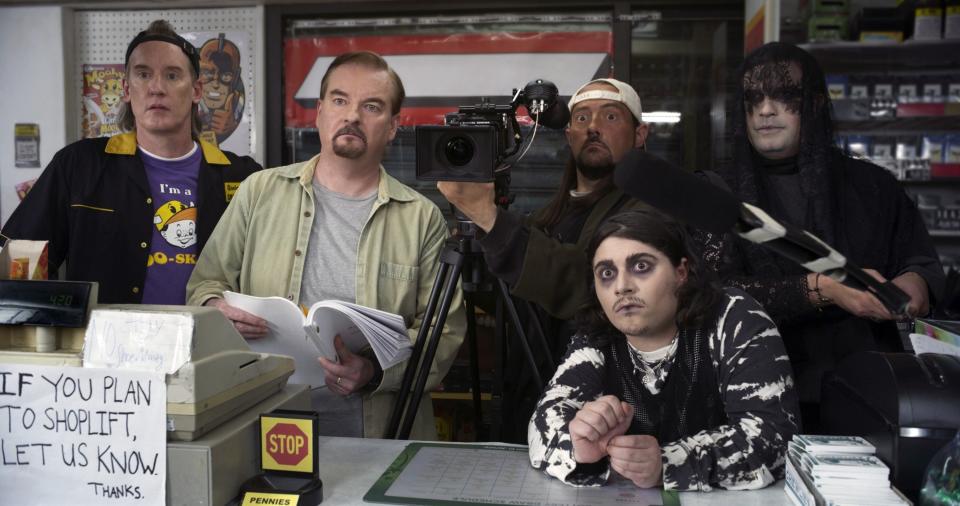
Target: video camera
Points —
{"points": [[476, 140]]}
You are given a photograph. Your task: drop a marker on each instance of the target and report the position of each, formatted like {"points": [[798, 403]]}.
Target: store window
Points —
{"points": [[447, 62]]}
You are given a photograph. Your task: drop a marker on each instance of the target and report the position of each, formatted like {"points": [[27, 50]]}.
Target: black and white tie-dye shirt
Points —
{"points": [[756, 387]]}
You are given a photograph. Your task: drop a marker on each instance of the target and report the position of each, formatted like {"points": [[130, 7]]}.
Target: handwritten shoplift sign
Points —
{"points": [[71, 435]]}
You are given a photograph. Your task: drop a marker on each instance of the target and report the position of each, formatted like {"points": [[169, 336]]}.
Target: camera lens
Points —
{"points": [[459, 151]]}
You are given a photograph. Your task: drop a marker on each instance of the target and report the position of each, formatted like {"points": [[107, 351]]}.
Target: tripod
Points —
{"points": [[461, 257]]}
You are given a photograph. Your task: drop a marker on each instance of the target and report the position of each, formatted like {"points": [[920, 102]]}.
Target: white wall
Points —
{"points": [[32, 69]]}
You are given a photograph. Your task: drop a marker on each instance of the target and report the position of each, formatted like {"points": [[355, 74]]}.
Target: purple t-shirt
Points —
{"points": [[173, 248]]}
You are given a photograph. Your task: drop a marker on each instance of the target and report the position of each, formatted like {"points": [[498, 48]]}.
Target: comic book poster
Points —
{"points": [[102, 97], [226, 103]]}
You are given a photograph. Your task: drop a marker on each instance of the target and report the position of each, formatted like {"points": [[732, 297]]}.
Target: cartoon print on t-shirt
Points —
{"points": [[177, 223]]}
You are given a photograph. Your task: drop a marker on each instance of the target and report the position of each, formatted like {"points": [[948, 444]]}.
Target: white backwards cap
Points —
{"points": [[625, 94]]}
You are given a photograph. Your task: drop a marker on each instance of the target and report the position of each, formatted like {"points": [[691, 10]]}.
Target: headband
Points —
{"points": [[174, 39]]}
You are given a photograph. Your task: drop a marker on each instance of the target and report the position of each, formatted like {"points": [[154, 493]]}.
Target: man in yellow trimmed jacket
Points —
{"points": [[339, 227], [133, 211]]}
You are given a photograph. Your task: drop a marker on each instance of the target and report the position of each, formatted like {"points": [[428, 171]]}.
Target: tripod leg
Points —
{"points": [[524, 342], [474, 362], [498, 393], [424, 367], [540, 336], [400, 403]]}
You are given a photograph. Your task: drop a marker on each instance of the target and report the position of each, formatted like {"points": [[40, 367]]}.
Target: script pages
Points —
{"points": [[306, 337], [358, 326]]}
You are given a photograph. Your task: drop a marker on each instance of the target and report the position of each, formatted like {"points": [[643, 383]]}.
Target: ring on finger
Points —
{"points": [[339, 379]]}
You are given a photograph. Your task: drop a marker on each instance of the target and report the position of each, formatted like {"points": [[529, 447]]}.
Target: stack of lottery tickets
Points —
{"points": [[837, 470]]}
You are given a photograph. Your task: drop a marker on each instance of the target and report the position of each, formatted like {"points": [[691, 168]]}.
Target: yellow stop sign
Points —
{"points": [[286, 446]]}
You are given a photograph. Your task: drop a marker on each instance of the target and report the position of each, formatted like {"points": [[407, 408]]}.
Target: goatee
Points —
{"points": [[350, 150], [594, 171]]}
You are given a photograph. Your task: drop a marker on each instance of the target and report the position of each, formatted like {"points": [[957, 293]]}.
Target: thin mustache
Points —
{"points": [[627, 301], [595, 139], [349, 130]]}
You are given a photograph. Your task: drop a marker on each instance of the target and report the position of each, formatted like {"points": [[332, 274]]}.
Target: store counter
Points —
{"points": [[349, 467]]}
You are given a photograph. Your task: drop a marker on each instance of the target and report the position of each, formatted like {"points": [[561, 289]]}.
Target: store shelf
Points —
{"points": [[930, 110], [891, 120], [934, 182], [870, 114], [940, 171], [869, 56], [899, 126], [953, 234]]}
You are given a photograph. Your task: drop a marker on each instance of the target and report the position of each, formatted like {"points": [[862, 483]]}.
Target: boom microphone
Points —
{"points": [[701, 204], [541, 98], [676, 192]]}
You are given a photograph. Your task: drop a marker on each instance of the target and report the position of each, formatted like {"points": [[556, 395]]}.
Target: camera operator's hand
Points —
{"points": [[475, 200]]}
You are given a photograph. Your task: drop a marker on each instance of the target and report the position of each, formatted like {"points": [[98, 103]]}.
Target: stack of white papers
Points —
{"points": [[305, 337], [806, 443], [384, 332], [843, 478], [837, 470]]}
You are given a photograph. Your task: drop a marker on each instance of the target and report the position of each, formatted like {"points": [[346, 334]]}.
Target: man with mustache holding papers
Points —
{"points": [[339, 227]]}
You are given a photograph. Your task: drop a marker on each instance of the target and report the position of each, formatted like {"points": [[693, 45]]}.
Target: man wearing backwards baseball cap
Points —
{"points": [[97, 200], [543, 258]]}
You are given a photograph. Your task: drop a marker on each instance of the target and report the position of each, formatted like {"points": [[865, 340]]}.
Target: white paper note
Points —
{"points": [[138, 340], [927, 344], [81, 436]]}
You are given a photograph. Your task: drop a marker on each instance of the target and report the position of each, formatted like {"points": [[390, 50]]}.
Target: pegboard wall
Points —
{"points": [[101, 37]]}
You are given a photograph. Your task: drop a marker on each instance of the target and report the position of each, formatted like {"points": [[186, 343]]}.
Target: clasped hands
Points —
{"points": [[599, 430]]}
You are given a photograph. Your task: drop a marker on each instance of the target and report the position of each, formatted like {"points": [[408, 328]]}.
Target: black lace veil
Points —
{"points": [[773, 71]]}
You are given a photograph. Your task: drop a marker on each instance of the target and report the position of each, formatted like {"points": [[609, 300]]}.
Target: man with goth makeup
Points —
{"points": [[670, 379], [786, 162]]}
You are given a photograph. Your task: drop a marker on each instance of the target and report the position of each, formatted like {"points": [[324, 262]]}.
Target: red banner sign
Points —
{"points": [[440, 72]]}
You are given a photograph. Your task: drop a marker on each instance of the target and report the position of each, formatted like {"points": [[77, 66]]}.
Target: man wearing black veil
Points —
{"points": [[785, 161]]}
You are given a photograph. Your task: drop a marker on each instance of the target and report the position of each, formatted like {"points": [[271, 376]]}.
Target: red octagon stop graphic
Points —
{"points": [[287, 444]]}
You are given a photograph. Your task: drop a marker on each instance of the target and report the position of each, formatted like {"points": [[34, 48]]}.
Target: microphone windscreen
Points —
{"points": [[556, 116], [674, 191]]}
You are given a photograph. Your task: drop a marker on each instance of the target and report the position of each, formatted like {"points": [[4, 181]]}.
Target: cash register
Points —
{"points": [[216, 386], [212, 375], [43, 322]]}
